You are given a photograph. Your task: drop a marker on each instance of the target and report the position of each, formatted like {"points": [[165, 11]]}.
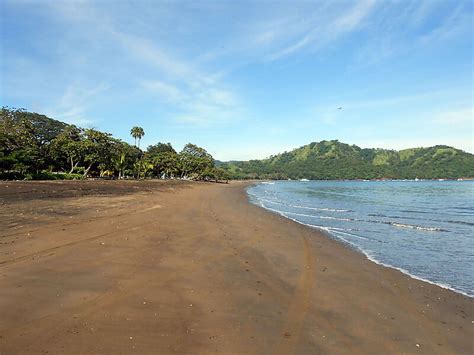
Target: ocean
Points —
{"points": [[422, 228]]}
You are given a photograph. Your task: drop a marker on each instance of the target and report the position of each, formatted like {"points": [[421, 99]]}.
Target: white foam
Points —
{"points": [[350, 234], [411, 226], [271, 201], [320, 209], [406, 272], [337, 219]]}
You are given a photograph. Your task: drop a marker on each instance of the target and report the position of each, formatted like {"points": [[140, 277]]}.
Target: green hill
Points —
{"points": [[335, 160]]}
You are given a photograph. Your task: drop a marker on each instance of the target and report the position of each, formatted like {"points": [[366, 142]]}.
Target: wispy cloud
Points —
{"points": [[198, 96], [457, 22], [322, 33], [73, 105], [396, 30], [163, 91], [210, 107]]}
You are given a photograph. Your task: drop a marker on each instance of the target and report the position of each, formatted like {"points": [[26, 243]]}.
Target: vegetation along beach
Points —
{"points": [[236, 177]]}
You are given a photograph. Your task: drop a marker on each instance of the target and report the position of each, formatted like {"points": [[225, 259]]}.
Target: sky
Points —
{"points": [[246, 79]]}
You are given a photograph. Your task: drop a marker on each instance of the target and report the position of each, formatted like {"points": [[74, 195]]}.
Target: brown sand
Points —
{"points": [[193, 268]]}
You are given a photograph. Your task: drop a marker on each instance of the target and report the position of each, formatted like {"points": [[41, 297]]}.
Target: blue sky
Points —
{"points": [[246, 79]]}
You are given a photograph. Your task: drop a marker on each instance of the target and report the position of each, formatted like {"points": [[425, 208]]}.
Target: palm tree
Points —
{"points": [[120, 164], [137, 133]]}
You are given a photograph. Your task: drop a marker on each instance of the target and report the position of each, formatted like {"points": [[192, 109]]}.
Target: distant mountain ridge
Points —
{"points": [[336, 160]]}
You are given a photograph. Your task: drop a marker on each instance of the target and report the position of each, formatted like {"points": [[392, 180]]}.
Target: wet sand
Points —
{"points": [[192, 268]]}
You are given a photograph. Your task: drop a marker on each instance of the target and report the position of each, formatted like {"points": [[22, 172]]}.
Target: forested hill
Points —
{"points": [[336, 160]]}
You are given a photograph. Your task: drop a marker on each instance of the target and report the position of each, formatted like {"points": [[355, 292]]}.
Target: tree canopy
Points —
{"points": [[33, 146]]}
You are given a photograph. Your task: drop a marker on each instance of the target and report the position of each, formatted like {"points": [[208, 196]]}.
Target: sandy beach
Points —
{"points": [[153, 267]]}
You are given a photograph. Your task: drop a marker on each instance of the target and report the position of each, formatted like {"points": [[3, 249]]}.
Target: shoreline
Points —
{"points": [[147, 267], [355, 247]]}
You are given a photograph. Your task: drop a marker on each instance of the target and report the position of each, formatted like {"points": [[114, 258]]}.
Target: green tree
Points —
{"points": [[99, 148], [137, 133], [194, 161], [159, 148], [68, 146]]}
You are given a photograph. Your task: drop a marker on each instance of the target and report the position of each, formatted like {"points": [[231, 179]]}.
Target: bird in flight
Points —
{"points": [[339, 108]]}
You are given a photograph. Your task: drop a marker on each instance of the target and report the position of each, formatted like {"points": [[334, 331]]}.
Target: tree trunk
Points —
{"points": [[87, 170], [73, 166]]}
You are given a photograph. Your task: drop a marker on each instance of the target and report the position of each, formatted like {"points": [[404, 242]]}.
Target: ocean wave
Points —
{"points": [[309, 215], [414, 211], [460, 222], [414, 226], [271, 201], [426, 219], [404, 225], [376, 215], [321, 208], [327, 229], [388, 216], [395, 224], [348, 234], [337, 218]]}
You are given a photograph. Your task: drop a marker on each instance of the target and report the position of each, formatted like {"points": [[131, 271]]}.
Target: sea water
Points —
{"points": [[422, 228]]}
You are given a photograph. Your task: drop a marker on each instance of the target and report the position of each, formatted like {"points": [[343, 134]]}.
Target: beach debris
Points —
{"points": [[131, 338], [191, 305], [417, 345], [102, 243], [286, 334]]}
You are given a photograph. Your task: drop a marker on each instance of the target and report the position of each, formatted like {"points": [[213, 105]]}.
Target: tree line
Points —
{"points": [[34, 146]]}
